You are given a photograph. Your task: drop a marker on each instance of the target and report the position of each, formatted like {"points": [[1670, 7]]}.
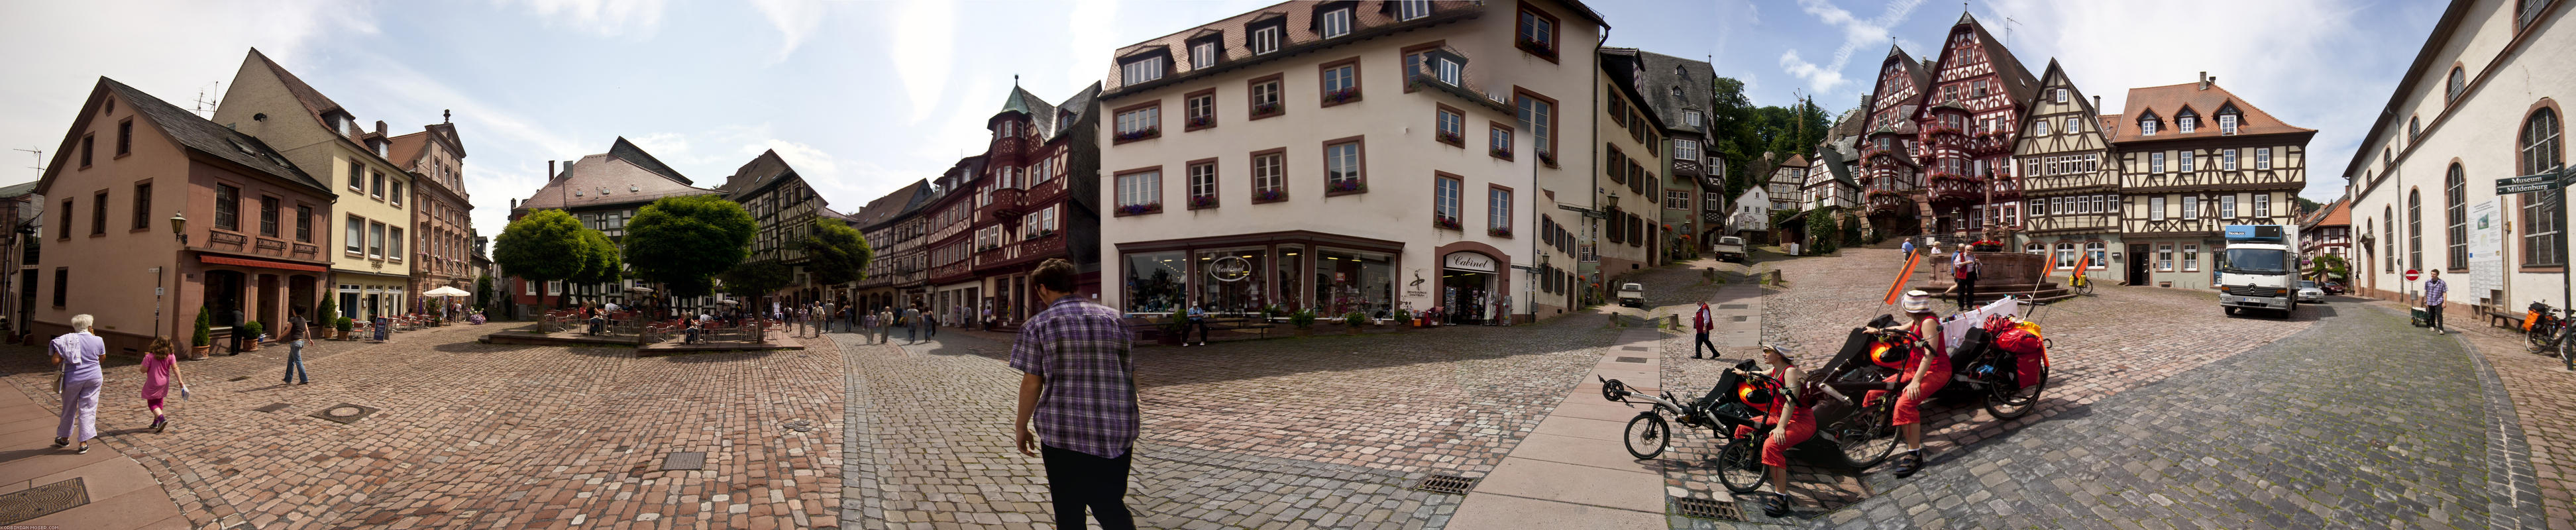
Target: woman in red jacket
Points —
{"points": [[1923, 367], [1779, 407]]}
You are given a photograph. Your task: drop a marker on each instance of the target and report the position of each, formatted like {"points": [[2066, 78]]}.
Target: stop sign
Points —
{"points": [[2411, 274]]}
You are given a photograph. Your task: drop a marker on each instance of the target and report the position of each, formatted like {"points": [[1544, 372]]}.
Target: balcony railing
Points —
{"points": [[1953, 187], [1041, 247], [1005, 204]]}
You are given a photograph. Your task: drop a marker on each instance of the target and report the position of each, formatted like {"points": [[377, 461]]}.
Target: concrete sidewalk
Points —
{"points": [[102, 490], [1574, 470]]}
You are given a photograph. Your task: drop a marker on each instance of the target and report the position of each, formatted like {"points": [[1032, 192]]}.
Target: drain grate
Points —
{"points": [[39, 501], [273, 407], [1739, 318], [1633, 348], [1632, 359], [345, 413], [1709, 509], [684, 461], [1454, 485], [1733, 306]]}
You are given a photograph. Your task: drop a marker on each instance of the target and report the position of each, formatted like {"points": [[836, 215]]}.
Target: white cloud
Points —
{"points": [[796, 20], [1857, 34], [607, 18], [921, 43]]}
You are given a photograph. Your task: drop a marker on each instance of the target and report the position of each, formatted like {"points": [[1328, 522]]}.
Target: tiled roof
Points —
{"points": [[1369, 18], [18, 190], [607, 179], [1795, 161], [628, 151], [1661, 75], [892, 206], [313, 100], [2166, 101], [1041, 114], [1619, 64], [2110, 124], [2017, 79], [404, 151], [205, 136], [755, 175], [1080, 105], [2338, 213], [1922, 85], [1835, 162]]}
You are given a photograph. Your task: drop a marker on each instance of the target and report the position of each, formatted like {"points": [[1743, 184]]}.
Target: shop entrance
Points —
{"points": [[1467, 283]]}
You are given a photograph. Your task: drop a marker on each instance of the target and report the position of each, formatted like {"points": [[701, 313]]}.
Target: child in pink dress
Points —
{"points": [[160, 371]]}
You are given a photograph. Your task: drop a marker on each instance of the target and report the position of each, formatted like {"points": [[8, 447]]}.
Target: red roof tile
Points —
{"points": [[2166, 101]]}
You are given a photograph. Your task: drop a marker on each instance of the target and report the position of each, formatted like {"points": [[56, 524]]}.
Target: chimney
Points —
{"points": [[380, 127], [2204, 80], [550, 171], [2097, 104]]}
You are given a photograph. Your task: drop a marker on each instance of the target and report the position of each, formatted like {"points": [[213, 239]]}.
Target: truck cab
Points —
{"points": [[1730, 248], [2257, 271]]}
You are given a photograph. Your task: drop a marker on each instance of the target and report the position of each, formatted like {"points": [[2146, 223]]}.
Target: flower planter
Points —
{"points": [[1354, 330], [198, 353]]}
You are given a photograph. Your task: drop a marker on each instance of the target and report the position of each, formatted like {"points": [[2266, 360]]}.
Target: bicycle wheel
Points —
{"points": [[1739, 465], [1863, 435], [2016, 402], [2084, 287], [2566, 347], [2541, 337], [1647, 435]]}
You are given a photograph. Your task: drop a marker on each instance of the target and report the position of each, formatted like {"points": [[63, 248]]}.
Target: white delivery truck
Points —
{"points": [[1729, 248], [2258, 271]]}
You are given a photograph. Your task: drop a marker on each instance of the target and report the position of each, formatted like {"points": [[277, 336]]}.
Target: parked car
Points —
{"points": [[2310, 292], [1730, 249], [2333, 287], [1632, 295]]}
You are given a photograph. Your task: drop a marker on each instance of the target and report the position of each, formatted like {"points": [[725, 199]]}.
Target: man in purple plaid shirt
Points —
{"points": [[1080, 385], [2434, 291]]}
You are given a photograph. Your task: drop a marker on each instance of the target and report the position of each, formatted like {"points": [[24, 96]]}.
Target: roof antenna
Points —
{"points": [[40, 159], [207, 106]]}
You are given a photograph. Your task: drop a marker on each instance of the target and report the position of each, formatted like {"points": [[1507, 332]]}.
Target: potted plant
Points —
{"points": [[252, 330], [1355, 319], [344, 325], [204, 339], [322, 319], [1404, 319], [1303, 320], [1179, 326]]}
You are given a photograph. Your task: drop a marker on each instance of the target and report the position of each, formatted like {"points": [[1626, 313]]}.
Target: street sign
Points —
{"points": [[2411, 274], [2527, 179], [2542, 181], [2527, 188]]}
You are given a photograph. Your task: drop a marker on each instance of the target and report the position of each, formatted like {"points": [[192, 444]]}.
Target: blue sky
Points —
{"points": [[863, 97]]}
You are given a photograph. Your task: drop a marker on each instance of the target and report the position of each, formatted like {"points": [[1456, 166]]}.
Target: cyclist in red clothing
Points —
{"points": [[1924, 367], [1796, 423]]}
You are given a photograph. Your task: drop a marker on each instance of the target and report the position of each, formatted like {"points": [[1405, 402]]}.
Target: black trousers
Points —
{"points": [[2433, 316], [1967, 292], [1704, 343], [1077, 481], [1195, 324]]}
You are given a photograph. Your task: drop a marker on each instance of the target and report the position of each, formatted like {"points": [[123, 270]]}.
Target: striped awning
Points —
{"points": [[261, 263]]}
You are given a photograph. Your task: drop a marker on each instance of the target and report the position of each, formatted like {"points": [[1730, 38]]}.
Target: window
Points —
{"points": [[1452, 127], [2185, 123], [62, 284], [1448, 70], [357, 176], [2093, 256], [1141, 70], [2035, 249], [1499, 142], [1141, 123], [2185, 161], [1692, 118], [2455, 208], [1537, 32], [1685, 149], [1200, 109], [394, 244], [1342, 168], [2459, 81], [397, 195], [2541, 152], [1140, 192], [1444, 201], [2226, 125], [2065, 256], [227, 207], [2039, 207], [1680, 199], [1265, 97], [527, 287], [554, 287], [2164, 257], [143, 206], [1341, 82], [268, 216], [1410, 9], [2227, 159], [1336, 23], [2227, 206], [304, 223], [2262, 158], [375, 240], [2263, 205], [1202, 55], [97, 214], [1539, 116], [1202, 185], [2156, 162], [125, 137], [86, 142], [2156, 208], [2191, 257], [357, 237], [1269, 176], [375, 184], [1264, 40], [2039, 128], [2191, 207], [2072, 126], [2414, 229], [2147, 126]]}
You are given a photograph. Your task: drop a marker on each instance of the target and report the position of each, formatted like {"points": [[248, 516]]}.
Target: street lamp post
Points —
{"points": [[178, 229]]}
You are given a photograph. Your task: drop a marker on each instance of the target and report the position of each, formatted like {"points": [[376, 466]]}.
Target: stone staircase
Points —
{"points": [[1930, 277]]}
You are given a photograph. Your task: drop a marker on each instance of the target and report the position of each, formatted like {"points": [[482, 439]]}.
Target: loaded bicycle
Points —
{"points": [[2549, 333], [1851, 433]]}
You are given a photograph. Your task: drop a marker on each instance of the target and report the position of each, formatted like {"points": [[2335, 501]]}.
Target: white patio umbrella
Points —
{"points": [[445, 291]]}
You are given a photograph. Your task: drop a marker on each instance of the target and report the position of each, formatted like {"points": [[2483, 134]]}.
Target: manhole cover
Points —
{"points": [[1733, 306], [39, 501], [684, 461], [1709, 509], [1632, 359], [1739, 318], [273, 407], [345, 413], [1446, 484], [801, 425], [1633, 348]]}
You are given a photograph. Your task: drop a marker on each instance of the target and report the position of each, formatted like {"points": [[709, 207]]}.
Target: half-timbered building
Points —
{"points": [[1966, 125], [2193, 159], [1891, 180], [2073, 203]]}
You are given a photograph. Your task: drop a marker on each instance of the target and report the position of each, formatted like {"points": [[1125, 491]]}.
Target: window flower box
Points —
{"points": [[1202, 202], [1534, 47], [1450, 138], [1347, 186], [1140, 209], [1444, 222], [1501, 153], [1546, 157], [1342, 96], [1201, 121], [1265, 109], [1262, 196], [1139, 134], [1499, 231]]}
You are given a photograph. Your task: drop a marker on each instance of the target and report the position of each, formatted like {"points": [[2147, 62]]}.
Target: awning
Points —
{"points": [[261, 263]]}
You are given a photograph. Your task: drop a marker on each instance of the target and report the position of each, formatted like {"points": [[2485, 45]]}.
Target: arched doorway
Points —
{"points": [[223, 297]]}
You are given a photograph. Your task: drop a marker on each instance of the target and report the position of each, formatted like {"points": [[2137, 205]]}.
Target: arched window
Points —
{"points": [[2035, 249], [2541, 152], [2389, 234], [2459, 81], [2455, 205], [2414, 128], [2414, 229], [2095, 256], [2065, 256]]}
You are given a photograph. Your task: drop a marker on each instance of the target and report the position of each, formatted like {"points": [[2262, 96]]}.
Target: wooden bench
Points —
{"points": [[1260, 326], [2496, 316]]}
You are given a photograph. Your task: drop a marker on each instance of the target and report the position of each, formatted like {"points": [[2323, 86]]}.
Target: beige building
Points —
{"points": [[2194, 158], [2479, 104], [370, 275], [1628, 190], [1349, 157], [442, 226]]}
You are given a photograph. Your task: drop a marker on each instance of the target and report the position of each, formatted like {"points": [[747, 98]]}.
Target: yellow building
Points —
{"points": [[368, 272]]}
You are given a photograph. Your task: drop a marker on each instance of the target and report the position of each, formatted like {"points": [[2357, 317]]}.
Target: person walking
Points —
{"points": [[1964, 268], [1908, 247], [77, 354], [930, 321], [2435, 292], [1078, 384], [1703, 322], [294, 339], [912, 324], [160, 371]]}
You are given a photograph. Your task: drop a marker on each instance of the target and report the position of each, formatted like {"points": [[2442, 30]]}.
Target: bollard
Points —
{"points": [[1673, 321]]}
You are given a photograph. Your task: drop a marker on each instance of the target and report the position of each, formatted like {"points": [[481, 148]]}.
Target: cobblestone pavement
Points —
{"points": [[1324, 431], [462, 434], [2306, 432], [2544, 403]]}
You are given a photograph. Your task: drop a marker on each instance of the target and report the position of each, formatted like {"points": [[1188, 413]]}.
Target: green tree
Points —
{"points": [[2326, 267], [682, 242], [752, 279], [837, 253], [205, 332], [482, 290], [535, 246], [599, 260]]}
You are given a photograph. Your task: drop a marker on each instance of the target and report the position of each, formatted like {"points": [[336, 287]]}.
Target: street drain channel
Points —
{"points": [[1633, 348], [1632, 359], [1733, 306], [1709, 509], [273, 407], [1739, 318], [684, 461], [1454, 485], [19, 506]]}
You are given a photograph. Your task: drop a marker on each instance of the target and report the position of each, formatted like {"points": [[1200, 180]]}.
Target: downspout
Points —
{"points": [[1592, 106]]}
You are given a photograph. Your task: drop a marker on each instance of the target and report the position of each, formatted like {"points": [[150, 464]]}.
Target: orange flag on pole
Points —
{"points": [[1899, 287]]}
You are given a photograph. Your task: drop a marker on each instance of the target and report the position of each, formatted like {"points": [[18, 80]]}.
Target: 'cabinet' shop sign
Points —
{"points": [[1470, 261], [1230, 269]]}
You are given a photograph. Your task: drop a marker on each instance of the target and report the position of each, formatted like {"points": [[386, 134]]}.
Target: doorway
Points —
{"points": [[1463, 295], [223, 297], [2137, 264]]}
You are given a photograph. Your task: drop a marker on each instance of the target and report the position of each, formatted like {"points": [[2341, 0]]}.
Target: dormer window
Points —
{"points": [[2227, 124], [1265, 39], [1334, 23], [2147, 125], [1412, 9], [1142, 69], [1203, 54], [2186, 122]]}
